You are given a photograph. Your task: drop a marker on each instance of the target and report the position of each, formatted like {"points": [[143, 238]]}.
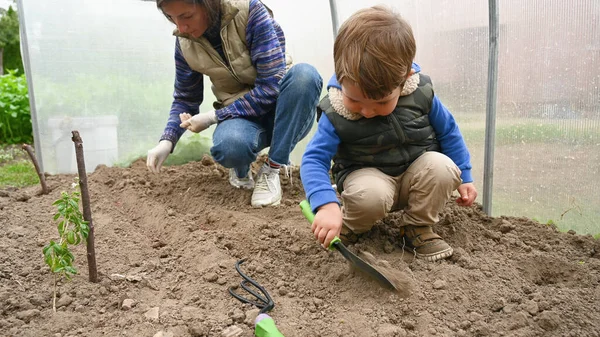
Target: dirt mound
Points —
{"points": [[171, 241]]}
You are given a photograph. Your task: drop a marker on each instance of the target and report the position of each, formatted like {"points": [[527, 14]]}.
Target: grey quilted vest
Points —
{"points": [[389, 143]]}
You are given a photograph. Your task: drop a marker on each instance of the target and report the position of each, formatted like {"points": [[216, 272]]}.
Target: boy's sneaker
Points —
{"points": [[425, 243], [267, 190], [245, 183], [347, 236]]}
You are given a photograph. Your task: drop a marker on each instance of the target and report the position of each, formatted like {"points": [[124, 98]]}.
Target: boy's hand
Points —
{"points": [[327, 223], [468, 193]]}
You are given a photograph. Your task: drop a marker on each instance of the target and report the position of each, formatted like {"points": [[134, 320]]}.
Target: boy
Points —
{"points": [[394, 145]]}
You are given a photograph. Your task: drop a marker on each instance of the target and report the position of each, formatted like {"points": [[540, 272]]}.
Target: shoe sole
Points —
{"points": [[276, 203], [243, 187], [436, 256]]}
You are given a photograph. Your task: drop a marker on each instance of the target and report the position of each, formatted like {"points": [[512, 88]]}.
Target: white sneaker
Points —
{"points": [[245, 183], [267, 190]]}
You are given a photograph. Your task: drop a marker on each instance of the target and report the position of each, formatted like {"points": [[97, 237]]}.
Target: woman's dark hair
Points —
{"points": [[212, 7]]}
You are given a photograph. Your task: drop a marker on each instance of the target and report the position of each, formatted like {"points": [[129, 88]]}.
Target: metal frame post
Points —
{"points": [[334, 17], [491, 99], [27, 66]]}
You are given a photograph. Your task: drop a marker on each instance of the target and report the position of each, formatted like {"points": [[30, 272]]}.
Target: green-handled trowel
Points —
{"points": [[356, 261]]}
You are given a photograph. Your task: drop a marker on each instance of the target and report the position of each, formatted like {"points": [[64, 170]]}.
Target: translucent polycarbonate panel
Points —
{"points": [[548, 129], [547, 153], [106, 69]]}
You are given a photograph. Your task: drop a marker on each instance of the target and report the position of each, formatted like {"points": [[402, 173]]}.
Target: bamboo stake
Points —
{"points": [[85, 201]]}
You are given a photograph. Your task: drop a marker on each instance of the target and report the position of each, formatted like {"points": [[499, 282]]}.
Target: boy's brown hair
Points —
{"points": [[374, 49]]}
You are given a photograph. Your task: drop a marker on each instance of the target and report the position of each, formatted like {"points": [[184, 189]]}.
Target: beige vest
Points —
{"points": [[228, 83]]}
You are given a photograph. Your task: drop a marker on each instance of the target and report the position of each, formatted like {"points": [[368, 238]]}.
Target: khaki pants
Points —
{"points": [[421, 192]]}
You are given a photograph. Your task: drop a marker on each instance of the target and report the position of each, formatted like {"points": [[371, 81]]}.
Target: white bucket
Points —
{"points": [[99, 136]]}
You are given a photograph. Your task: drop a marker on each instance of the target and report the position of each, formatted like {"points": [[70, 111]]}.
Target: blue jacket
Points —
{"points": [[316, 161]]}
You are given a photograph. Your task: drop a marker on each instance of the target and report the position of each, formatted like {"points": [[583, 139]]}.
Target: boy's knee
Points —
{"points": [[369, 198], [363, 207], [442, 168]]}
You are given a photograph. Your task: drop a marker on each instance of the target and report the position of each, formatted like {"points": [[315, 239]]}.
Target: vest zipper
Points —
{"points": [[399, 132], [226, 53]]}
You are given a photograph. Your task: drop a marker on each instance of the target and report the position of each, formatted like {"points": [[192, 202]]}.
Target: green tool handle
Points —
{"points": [[265, 327], [310, 216]]}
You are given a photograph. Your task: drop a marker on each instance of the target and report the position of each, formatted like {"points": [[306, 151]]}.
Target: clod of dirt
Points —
{"points": [[21, 196], [207, 161], [232, 331], [401, 282]]}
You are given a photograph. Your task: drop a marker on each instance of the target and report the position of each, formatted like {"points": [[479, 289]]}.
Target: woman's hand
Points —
{"points": [[327, 223], [199, 122], [158, 154]]}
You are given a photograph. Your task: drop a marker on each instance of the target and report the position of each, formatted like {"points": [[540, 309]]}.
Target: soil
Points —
{"points": [[167, 245]]}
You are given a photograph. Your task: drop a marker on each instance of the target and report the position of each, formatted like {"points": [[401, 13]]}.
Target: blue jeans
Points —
{"points": [[237, 141]]}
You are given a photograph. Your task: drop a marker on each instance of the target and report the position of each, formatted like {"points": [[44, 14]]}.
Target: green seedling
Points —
{"points": [[72, 230]]}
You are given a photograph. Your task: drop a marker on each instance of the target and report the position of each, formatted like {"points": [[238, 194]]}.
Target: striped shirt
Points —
{"points": [[266, 43]]}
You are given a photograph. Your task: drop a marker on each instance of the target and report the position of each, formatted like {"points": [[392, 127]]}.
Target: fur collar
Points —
{"points": [[336, 100]]}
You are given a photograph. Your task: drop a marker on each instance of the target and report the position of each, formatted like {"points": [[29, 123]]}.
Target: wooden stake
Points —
{"points": [[85, 201], [40, 174]]}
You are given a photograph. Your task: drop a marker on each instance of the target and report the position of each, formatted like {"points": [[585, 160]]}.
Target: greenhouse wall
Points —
{"points": [[114, 59]]}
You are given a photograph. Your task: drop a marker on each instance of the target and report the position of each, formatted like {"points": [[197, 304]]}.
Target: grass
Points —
{"points": [[19, 173], [564, 217], [533, 131], [515, 134], [16, 170]]}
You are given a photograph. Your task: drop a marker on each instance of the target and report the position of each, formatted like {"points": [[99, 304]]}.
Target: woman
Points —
{"points": [[262, 100]]}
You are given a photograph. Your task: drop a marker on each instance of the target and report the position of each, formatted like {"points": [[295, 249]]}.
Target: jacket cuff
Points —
{"points": [[466, 176], [223, 114], [170, 136], [321, 198]]}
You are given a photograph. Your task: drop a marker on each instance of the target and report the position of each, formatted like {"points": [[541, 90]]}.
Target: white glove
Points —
{"points": [[158, 154], [199, 122]]}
